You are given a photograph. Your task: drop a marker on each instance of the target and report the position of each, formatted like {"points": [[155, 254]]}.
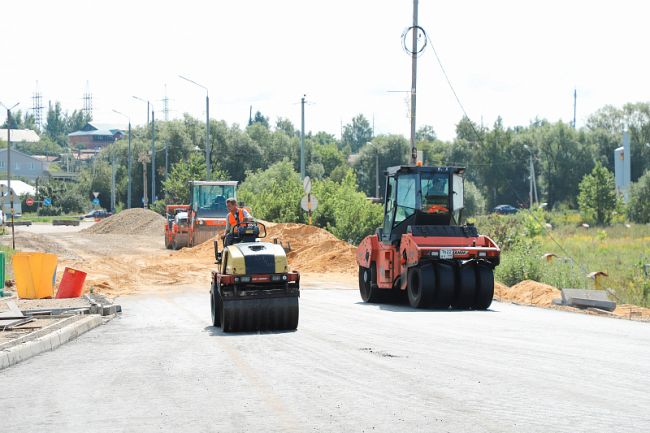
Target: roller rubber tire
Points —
{"points": [[485, 289], [446, 282], [421, 286], [368, 289], [215, 308], [465, 287]]}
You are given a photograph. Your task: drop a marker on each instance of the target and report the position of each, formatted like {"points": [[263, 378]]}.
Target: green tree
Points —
{"points": [[425, 133], [176, 186], [639, 204], [55, 122], [274, 194], [328, 155], [635, 117], [390, 149], [344, 211], [259, 118], [356, 134], [473, 200], [597, 199]]}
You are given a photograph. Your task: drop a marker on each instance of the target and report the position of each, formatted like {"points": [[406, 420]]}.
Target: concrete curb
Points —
{"points": [[51, 341]]}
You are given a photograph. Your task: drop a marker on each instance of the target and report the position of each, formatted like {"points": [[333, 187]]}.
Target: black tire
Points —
{"points": [[215, 307], [485, 289], [445, 287], [368, 289], [421, 286], [465, 287]]}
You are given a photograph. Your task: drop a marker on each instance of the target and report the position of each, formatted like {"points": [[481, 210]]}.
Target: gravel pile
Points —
{"points": [[135, 221]]}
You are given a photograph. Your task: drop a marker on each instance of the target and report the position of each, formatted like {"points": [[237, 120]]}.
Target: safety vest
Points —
{"points": [[233, 220]]}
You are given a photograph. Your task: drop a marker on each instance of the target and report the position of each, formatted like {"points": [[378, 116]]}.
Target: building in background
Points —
{"points": [[22, 165], [95, 136]]}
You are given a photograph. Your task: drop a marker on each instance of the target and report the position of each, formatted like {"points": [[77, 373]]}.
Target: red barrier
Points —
{"points": [[72, 284]]}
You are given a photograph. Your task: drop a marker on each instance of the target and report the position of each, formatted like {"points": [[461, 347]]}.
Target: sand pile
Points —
{"points": [[135, 221], [312, 249], [527, 292]]}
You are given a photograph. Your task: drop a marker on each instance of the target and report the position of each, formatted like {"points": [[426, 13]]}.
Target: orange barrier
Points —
{"points": [[35, 274]]}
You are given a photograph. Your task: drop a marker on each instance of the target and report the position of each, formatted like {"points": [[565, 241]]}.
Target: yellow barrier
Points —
{"points": [[34, 274]]}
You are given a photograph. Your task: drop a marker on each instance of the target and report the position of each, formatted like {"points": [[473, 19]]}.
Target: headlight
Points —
{"points": [[435, 253], [236, 279], [276, 277], [482, 254], [245, 279], [284, 277]]}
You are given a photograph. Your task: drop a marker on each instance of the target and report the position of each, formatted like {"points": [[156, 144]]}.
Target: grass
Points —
{"points": [[620, 250], [31, 216]]}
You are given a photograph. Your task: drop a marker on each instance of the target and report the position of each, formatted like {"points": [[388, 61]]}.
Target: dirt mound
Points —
{"points": [[312, 249], [527, 292], [130, 222]]}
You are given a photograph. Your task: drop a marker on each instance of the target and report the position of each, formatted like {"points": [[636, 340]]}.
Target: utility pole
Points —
{"points": [[208, 146], [377, 174], [10, 192], [166, 159], [143, 158], [208, 149], [153, 157], [128, 188], [113, 178], [302, 137], [414, 69], [575, 101], [530, 193], [533, 184]]}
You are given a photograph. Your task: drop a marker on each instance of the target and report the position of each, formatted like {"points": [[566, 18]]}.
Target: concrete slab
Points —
{"points": [[48, 342], [582, 298]]}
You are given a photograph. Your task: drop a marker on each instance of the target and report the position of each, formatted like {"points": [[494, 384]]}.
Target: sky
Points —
{"points": [[520, 60]]}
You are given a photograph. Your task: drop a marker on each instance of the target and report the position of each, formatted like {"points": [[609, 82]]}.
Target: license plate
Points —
{"points": [[446, 254]]}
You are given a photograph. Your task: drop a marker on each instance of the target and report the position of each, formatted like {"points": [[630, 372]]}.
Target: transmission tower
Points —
{"points": [[88, 101], [165, 102], [37, 107]]}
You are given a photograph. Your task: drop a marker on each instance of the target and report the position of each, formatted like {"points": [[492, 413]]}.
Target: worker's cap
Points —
{"points": [[231, 200]]}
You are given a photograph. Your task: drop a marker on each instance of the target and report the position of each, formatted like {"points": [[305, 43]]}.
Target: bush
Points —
{"points": [[71, 202], [520, 262], [344, 211], [597, 199], [49, 211], [639, 205]]}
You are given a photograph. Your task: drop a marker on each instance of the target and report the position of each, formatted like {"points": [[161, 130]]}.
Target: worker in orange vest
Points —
{"points": [[236, 215]]}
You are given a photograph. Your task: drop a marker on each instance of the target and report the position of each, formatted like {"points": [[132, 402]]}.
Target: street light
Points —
{"points": [[128, 189], [11, 195], [376, 168], [533, 183], [153, 147], [207, 126]]}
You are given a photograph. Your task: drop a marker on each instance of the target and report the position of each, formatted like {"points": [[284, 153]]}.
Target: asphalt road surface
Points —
{"points": [[350, 367]]}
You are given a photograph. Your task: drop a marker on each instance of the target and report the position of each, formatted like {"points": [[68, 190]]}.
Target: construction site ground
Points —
{"points": [[160, 366]]}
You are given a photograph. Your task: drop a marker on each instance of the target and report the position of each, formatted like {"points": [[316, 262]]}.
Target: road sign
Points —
{"points": [[306, 184], [96, 194], [47, 201], [96, 201], [309, 203], [29, 201]]}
